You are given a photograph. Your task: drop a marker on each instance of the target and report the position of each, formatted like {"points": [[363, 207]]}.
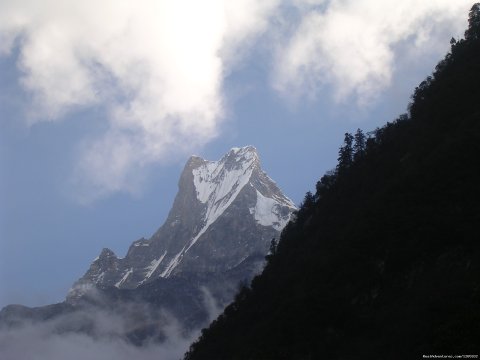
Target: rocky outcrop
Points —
{"points": [[225, 213]]}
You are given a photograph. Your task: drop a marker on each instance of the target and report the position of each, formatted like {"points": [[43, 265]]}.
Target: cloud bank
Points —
{"points": [[104, 331], [158, 67], [350, 45], [49, 340]]}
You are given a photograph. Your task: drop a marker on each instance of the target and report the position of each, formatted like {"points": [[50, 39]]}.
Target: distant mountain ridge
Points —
{"points": [[224, 212], [215, 237]]}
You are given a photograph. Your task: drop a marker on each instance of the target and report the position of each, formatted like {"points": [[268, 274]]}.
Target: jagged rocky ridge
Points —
{"points": [[225, 211], [216, 236]]}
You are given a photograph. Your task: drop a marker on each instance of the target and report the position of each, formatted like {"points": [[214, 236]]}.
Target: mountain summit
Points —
{"points": [[215, 237], [224, 213]]}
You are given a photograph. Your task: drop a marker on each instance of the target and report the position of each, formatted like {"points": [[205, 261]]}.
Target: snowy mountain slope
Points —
{"points": [[224, 212]]}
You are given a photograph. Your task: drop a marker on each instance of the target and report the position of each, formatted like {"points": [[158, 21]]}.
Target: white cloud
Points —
{"points": [[59, 339], [349, 45], [157, 66], [101, 332]]}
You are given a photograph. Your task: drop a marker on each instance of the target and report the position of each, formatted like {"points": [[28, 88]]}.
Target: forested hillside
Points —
{"points": [[383, 258]]}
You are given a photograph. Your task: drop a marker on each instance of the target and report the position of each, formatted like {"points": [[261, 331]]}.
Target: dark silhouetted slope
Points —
{"points": [[383, 260]]}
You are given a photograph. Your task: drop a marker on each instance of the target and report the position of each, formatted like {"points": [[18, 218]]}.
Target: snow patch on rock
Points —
{"points": [[125, 276], [217, 185], [154, 265], [267, 212]]}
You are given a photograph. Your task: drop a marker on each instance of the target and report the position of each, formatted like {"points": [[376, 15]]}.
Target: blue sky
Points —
{"points": [[101, 106]]}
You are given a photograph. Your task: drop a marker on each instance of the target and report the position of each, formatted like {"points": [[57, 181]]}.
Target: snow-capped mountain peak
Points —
{"points": [[224, 212], [217, 183]]}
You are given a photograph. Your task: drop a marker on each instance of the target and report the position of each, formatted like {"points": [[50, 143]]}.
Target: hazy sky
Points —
{"points": [[102, 103]]}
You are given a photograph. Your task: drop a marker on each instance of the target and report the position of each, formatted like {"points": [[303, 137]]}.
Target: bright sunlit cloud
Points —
{"points": [[350, 45], [158, 67]]}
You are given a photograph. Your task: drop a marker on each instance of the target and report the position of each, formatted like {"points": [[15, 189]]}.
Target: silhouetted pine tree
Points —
{"points": [[473, 31], [359, 145], [345, 154]]}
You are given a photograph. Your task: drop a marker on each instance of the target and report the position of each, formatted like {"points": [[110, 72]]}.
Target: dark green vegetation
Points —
{"points": [[383, 261]]}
